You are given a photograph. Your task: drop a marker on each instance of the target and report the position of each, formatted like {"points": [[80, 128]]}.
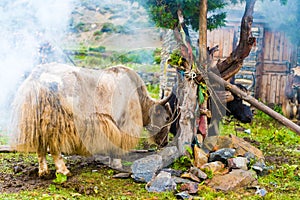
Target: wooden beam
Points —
{"points": [[254, 102]]}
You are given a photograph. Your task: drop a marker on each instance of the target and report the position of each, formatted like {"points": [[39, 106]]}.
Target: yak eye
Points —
{"points": [[167, 118]]}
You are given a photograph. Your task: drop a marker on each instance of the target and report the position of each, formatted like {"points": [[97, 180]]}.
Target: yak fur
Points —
{"points": [[72, 110]]}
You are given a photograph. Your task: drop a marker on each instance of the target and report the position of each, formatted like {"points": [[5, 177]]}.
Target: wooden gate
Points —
{"points": [[270, 61], [276, 61]]}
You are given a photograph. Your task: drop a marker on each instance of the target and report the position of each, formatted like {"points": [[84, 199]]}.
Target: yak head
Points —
{"points": [[240, 109], [161, 119]]}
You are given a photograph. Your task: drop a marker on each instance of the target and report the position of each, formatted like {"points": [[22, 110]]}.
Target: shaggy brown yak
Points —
{"points": [[71, 110]]}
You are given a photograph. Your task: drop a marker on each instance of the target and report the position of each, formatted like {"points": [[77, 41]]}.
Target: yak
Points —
{"points": [[73, 110], [291, 99], [238, 108]]}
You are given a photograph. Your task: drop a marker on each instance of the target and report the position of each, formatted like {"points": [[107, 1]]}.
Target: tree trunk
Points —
{"points": [[203, 125], [254, 102], [187, 90]]}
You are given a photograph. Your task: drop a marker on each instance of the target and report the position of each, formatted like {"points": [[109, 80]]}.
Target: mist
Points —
{"points": [[25, 25], [281, 17]]}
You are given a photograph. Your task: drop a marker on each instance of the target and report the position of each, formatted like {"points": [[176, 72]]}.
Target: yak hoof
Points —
{"points": [[43, 173], [64, 172]]}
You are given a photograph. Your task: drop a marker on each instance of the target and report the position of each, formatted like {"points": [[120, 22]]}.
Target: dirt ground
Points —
{"points": [[21, 172]]}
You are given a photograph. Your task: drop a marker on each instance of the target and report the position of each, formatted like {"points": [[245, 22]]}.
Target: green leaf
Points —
{"points": [[60, 178], [200, 95], [52, 188]]}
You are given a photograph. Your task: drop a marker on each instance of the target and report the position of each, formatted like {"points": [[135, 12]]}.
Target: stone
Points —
{"points": [[144, 169], [243, 147], [116, 163], [210, 143], [221, 155], [237, 178], [224, 142], [161, 183], [198, 172], [191, 188], [250, 156], [190, 176], [200, 157], [261, 168], [238, 163], [183, 195], [169, 154], [105, 160], [173, 172], [122, 175], [214, 143], [179, 180], [216, 166], [261, 192]]}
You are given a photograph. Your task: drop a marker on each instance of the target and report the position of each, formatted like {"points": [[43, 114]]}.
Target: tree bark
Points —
{"points": [[203, 125], [187, 90], [254, 102], [233, 63], [187, 102]]}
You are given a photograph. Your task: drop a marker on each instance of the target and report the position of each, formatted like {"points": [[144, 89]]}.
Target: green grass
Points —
{"points": [[279, 145]]}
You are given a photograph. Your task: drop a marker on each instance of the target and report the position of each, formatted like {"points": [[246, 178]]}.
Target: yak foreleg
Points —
{"points": [[43, 167], [59, 162]]}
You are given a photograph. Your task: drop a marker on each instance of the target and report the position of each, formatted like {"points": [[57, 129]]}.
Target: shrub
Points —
{"points": [[100, 49], [108, 27], [98, 33]]}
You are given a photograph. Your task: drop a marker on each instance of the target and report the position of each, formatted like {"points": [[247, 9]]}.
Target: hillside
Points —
{"points": [[117, 25]]}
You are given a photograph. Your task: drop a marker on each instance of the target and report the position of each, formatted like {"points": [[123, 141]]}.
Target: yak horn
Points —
{"points": [[165, 100]]}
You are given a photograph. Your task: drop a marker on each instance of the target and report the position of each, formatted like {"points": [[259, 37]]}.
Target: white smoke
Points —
{"points": [[280, 17], [25, 25]]}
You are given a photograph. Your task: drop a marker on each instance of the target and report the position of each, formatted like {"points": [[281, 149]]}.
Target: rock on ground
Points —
{"points": [[144, 169], [161, 183], [235, 179]]}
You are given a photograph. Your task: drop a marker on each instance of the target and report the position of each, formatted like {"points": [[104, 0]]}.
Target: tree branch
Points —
{"points": [[232, 64]]}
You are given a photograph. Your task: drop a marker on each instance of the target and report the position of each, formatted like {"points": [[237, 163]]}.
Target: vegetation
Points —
{"points": [[99, 57], [279, 145], [164, 13]]}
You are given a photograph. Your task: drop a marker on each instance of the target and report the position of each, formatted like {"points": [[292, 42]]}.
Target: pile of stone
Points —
{"points": [[224, 163]]}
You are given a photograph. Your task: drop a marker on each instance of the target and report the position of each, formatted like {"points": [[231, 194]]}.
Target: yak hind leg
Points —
{"points": [[59, 162], [43, 167]]}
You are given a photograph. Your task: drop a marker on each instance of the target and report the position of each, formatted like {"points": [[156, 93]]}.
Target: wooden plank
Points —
{"points": [[285, 54], [226, 40], [268, 87], [282, 88], [210, 38], [267, 45], [279, 68], [272, 90], [219, 41], [281, 43], [263, 89], [231, 38], [276, 47], [278, 89], [271, 46]]}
